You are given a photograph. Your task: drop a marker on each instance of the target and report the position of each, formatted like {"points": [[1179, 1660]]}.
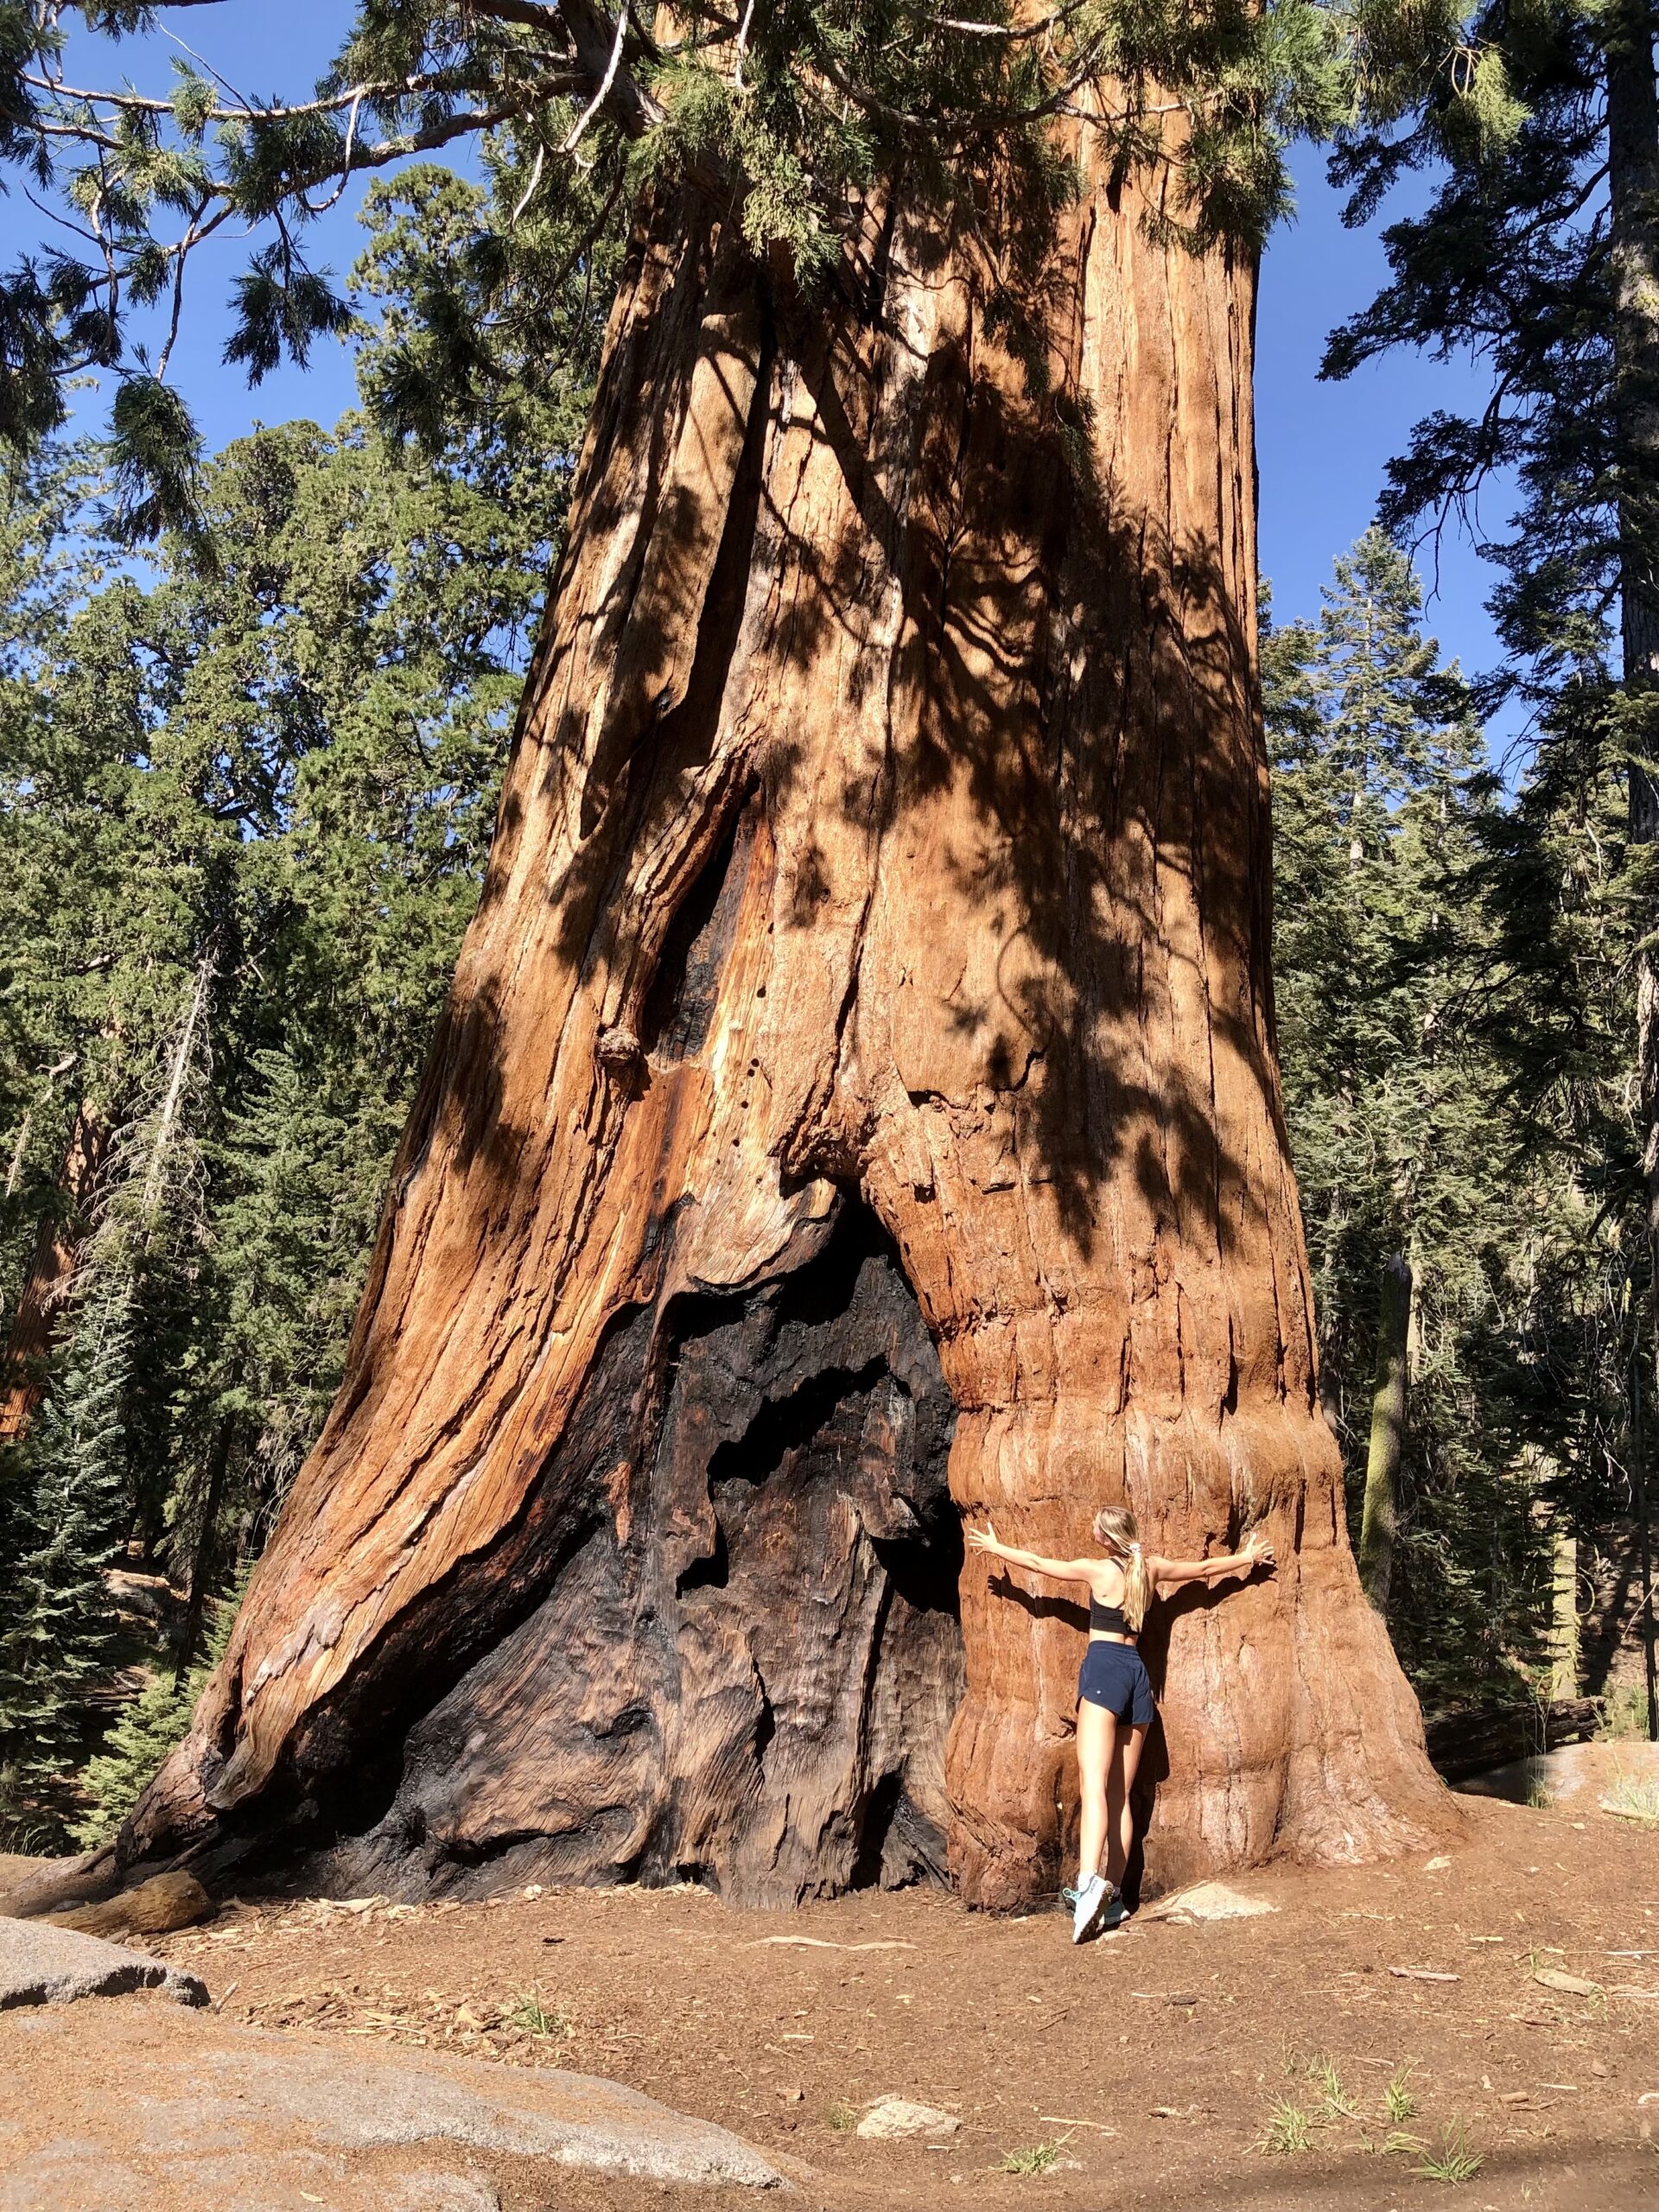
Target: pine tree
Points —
{"points": [[1416, 1181], [1537, 255], [244, 809], [76, 1480], [66, 1512], [302, 1181]]}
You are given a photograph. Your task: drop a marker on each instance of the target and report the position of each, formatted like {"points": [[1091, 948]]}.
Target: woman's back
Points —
{"points": [[1107, 1586]]}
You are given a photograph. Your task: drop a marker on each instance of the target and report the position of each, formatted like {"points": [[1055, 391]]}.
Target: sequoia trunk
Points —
{"points": [[856, 1109]]}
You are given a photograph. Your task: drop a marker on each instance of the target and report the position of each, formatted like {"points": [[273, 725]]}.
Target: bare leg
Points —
{"points": [[1096, 1741], [1120, 1775]]}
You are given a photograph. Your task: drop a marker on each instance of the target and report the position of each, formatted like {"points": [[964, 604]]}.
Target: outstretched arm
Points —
{"points": [[1170, 1573], [1057, 1570]]}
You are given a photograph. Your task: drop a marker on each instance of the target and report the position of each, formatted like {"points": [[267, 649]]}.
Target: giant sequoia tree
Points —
{"points": [[857, 1104]]}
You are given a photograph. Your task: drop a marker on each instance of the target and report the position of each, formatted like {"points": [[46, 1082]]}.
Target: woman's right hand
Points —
{"points": [[982, 1540]]}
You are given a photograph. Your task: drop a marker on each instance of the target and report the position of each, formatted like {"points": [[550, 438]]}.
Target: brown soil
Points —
{"points": [[1152, 2059]]}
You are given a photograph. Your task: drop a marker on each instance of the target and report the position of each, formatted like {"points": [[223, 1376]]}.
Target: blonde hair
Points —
{"points": [[1114, 1527]]}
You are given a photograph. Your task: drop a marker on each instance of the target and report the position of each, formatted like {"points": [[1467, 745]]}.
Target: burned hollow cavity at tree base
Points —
{"points": [[745, 1673], [888, 812]]}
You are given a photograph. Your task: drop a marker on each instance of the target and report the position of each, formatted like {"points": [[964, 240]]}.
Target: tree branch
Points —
{"points": [[592, 37], [374, 90]]}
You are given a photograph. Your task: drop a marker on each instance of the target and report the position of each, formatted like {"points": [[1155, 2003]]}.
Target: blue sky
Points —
{"points": [[1322, 448]]}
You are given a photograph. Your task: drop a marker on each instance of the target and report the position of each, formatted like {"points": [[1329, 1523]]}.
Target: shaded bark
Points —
{"points": [[1633, 195], [882, 874], [1390, 1410]]}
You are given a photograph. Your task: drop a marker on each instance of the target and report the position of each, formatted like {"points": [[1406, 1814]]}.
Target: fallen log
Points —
{"points": [[1467, 1743]]}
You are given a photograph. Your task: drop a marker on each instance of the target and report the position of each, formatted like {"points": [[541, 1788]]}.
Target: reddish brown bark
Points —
{"points": [[51, 1280], [876, 936]]}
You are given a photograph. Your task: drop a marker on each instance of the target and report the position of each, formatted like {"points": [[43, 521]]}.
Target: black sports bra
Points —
{"points": [[1110, 1617]]}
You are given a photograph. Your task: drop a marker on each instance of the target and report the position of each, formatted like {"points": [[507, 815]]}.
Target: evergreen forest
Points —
{"points": [[255, 707]]}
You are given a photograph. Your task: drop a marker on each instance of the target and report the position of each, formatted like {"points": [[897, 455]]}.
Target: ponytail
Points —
{"points": [[1114, 1526]]}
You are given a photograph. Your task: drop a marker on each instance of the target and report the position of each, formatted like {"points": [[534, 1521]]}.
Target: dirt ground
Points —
{"points": [[1154, 2067]]}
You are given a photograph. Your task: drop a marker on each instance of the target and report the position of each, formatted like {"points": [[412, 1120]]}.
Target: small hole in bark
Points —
{"points": [[927, 1572], [628, 1722]]}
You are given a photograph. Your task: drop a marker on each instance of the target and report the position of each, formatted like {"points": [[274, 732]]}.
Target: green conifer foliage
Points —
{"points": [[303, 1173], [244, 810], [1402, 1134], [79, 1476], [790, 116], [1535, 253], [64, 1513]]}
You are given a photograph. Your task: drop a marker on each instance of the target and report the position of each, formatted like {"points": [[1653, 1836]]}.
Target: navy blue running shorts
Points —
{"points": [[1115, 1675]]}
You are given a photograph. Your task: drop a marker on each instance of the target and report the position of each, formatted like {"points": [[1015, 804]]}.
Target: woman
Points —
{"points": [[1114, 1706]]}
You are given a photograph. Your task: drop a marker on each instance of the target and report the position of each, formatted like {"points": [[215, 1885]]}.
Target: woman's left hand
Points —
{"points": [[1259, 1551]]}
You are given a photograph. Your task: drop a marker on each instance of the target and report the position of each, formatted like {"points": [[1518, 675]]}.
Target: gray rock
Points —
{"points": [[43, 1964], [188, 2110], [65, 2172], [356, 2102], [889, 2120], [50, 2182]]}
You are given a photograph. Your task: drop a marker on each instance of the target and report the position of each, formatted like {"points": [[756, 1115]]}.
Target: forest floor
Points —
{"points": [[1154, 2067]]}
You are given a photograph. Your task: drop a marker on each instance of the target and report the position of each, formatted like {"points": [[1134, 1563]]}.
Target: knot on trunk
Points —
{"points": [[620, 1054]]}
